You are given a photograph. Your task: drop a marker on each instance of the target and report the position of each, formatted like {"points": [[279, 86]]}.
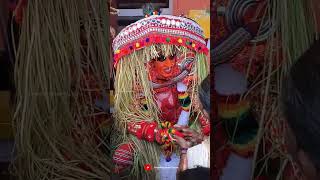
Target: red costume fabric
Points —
{"points": [[20, 9]]}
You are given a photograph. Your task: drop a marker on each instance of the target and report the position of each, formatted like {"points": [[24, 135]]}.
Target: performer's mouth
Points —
{"points": [[167, 70]]}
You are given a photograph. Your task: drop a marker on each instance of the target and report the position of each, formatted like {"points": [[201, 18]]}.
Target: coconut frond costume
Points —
{"points": [[60, 88], [147, 104]]}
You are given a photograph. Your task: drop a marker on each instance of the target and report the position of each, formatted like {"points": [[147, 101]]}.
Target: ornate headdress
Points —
{"points": [[159, 29]]}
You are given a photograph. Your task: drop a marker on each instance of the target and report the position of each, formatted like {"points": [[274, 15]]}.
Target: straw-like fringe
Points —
{"points": [[132, 81], [295, 29], [51, 102]]}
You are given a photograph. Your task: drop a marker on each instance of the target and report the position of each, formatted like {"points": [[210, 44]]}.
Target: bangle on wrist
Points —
{"points": [[183, 150]]}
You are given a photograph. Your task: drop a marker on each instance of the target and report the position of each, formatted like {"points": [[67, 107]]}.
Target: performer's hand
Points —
{"points": [[191, 135], [163, 133], [181, 142], [158, 135]]}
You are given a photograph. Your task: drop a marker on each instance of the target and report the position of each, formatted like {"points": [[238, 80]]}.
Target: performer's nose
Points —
{"points": [[169, 62]]}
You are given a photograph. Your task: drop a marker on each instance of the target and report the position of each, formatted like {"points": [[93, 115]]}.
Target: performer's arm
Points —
{"points": [[183, 164], [143, 130], [205, 125], [251, 21], [149, 131], [223, 52]]}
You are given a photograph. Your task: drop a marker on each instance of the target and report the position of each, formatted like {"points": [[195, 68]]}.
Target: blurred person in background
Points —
{"points": [[301, 107]]}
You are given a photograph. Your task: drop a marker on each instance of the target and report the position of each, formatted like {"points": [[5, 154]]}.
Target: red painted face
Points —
{"points": [[165, 67]]}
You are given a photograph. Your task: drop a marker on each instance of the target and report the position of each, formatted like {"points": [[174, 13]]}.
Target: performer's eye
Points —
{"points": [[161, 58], [171, 57]]}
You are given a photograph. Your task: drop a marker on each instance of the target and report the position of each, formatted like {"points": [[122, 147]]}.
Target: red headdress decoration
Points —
{"points": [[159, 29]]}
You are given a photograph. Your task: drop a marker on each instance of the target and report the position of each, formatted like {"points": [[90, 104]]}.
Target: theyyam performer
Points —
{"points": [[160, 60]]}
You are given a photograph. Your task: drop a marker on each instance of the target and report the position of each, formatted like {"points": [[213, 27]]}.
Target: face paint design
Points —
{"points": [[169, 67], [165, 67]]}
